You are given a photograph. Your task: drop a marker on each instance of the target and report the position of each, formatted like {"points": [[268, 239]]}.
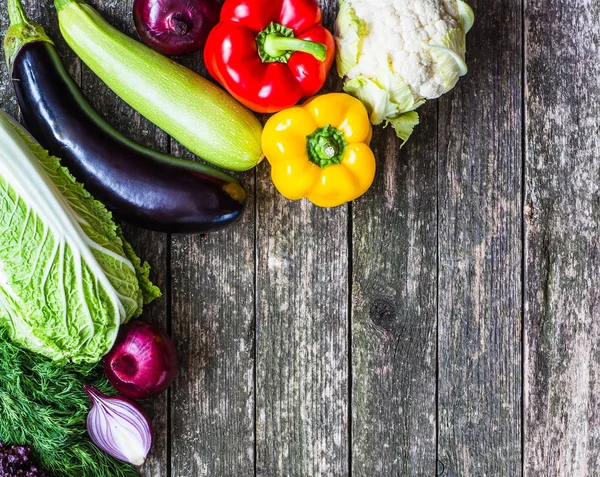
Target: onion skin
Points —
{"points": [[175, 27], [143, 361]]}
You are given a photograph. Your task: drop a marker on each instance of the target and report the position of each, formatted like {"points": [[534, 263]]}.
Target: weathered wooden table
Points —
{"points": [[444, 324]]}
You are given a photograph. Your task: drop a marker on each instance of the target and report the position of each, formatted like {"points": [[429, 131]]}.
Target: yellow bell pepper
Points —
{"points": [[320, 150]]}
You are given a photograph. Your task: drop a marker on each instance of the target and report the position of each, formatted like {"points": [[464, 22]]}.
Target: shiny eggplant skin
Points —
{"points": [[141, 186]]}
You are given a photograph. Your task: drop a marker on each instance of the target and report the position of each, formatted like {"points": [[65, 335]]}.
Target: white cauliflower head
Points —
{"points": [[395, 54]]}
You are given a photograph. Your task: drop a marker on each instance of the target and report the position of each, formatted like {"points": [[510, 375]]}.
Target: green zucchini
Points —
{"points": [[201, 116]]}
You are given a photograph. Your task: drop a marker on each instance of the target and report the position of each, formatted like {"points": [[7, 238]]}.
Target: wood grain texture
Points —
{"points": [[394, 308], [480, 252], [213, 322], [150, 246], [302, 337], [302, 331], [563, 231]]}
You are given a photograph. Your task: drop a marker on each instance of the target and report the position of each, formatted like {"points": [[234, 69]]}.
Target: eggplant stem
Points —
{"points": [[20, 32], [16, 14]]}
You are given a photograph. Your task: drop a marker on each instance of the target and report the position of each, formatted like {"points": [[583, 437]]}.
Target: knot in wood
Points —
{"points": [[383, 314]]}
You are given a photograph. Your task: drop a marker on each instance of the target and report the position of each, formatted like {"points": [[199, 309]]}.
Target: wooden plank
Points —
{"points": [[213, 322], [394, 308], [151, 246], [302, 337], [8, 102], [480, 252], [302, 330], [563, 231]]}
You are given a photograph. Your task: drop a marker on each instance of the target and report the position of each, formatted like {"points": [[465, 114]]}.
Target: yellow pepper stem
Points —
{"points": [[326, 146]]}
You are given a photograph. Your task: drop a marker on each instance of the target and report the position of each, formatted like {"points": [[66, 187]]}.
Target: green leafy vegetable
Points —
{"points": [[68, 279], [43, 405]]}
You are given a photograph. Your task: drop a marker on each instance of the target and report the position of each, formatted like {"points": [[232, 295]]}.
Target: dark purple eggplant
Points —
{"points": [[141, 186]]}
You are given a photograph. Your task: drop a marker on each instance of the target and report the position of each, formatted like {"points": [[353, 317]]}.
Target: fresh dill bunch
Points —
{"points": [[43, 405]]}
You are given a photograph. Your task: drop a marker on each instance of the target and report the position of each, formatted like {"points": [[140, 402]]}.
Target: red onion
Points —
{"points": [[119, 427], [143, 362], [175, 27]]}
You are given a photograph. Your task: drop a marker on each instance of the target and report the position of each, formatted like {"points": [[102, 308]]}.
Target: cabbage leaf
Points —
{"points": [[68, 278]]}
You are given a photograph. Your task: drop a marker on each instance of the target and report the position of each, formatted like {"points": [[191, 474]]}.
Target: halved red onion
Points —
{"points": [[119, 427]]}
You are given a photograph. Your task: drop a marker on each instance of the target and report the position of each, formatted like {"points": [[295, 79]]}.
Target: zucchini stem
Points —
{"points": [[60, 4]]}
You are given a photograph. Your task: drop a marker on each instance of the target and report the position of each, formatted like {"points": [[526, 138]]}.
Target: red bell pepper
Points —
{"points": [[269, 54]]}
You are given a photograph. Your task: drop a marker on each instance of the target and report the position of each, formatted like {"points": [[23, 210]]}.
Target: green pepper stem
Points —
{"points": [[326, 146], [277, 43], [276, 46]]}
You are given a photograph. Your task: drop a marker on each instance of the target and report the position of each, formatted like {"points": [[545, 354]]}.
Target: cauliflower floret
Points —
{"points": [[395, 54], [397, 31]]}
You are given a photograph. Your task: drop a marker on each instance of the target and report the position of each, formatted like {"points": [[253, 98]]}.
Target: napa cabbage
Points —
{"points": [[68, 278]]}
